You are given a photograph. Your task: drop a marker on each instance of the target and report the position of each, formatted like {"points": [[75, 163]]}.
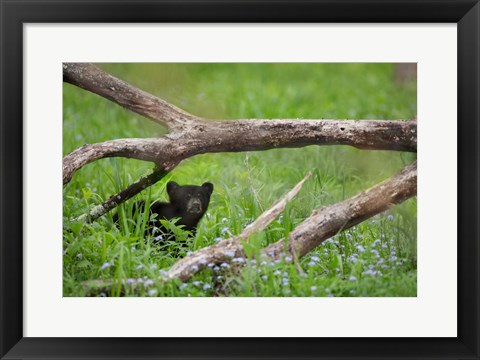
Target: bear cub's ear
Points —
{"points": [[171, 187], [209, 187]]}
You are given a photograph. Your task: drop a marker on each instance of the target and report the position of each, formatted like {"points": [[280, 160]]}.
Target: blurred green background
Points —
{"points": [[245, 183]]}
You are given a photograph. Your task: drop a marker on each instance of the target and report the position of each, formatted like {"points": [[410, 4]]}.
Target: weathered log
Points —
{"points": [[191, 135], [321, 225], [224, 251], [328, 221]]}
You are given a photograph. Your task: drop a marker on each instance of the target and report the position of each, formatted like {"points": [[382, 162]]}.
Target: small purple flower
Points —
{"points": [[313, 288], [210, 265], [390, 217], [139, 267], [105, 265], [194, 268], [352, 278], [360, 248], [224, 265], [277, 272], [230, 253], [148, 283], [370, 272], [130, 281], [238, 260], [163, 272], [152, 292], [183, 286], [311, 263], [206, 286], [225, 230], [264, 277], [288, 259], [196, 282], [202, 261], [79, 256], [217, 239], [314, 258]]}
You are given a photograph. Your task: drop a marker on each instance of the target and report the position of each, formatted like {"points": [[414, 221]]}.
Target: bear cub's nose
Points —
{"points": [[195, 206]]}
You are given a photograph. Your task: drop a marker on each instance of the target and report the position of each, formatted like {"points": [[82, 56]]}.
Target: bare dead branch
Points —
{"points": [[224, 251], [191, 135], [248, 135], [91, 78], [124, 195], [326, 222], [232, 247]]}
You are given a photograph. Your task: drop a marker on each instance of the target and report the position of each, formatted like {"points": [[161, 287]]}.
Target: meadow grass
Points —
{"points": [[375, 258]]}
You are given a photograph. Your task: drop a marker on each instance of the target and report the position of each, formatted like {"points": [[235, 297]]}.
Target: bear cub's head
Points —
{"points": [[190, 199]]}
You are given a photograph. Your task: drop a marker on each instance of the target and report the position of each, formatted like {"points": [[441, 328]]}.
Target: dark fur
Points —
{"points": [[188, 203]]}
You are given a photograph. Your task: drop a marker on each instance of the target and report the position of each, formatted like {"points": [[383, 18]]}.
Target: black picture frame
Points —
{"points": [[14, 13]]}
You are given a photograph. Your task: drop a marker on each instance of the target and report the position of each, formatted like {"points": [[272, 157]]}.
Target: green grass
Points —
{"points": [[376, 258]]}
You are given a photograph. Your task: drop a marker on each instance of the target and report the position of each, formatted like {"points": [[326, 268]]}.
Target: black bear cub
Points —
{"points": [[188, 203]]}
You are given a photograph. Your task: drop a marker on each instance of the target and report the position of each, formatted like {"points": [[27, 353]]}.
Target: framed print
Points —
{"points": [[221, 254]]}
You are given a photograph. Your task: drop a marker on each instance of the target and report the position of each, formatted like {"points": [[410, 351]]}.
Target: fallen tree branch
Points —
{"points": [[321, 225], [248, 135], [328, 221], [122, 196], [91, 78], [224, 251], [191, 135]]}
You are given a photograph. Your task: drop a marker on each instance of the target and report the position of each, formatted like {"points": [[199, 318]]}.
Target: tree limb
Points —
{"points": [[91, 78], [191, 135], [328, 221], [124, 195], [224, 251], [248, 135]]}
